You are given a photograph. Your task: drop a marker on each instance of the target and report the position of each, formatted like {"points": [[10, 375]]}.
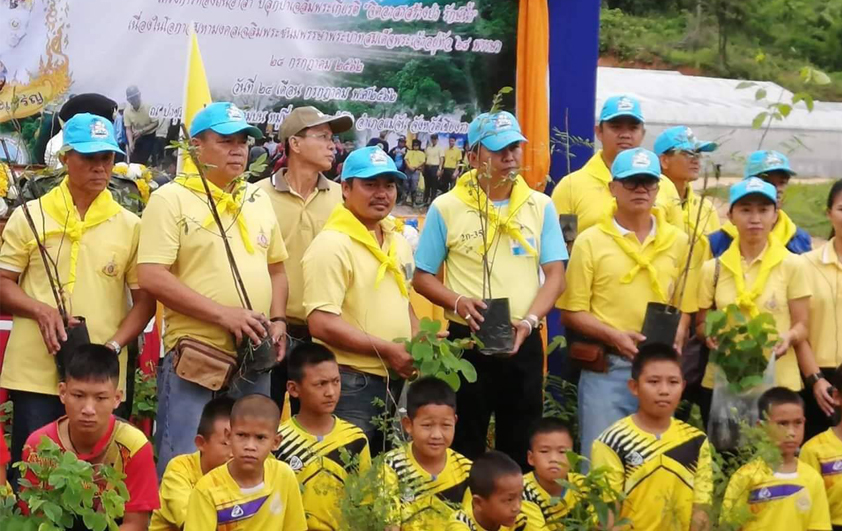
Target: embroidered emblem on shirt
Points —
{"points": [[635, 459], [262, 239], [110, 268], [295, 463], [237, 512], [802, 503]]}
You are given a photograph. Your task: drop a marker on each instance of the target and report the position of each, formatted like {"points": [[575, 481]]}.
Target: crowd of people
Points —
{"points": [[316, 276]]}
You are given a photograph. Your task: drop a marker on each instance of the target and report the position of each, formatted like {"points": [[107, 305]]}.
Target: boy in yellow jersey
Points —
{"points": [[792, 497], [429, 479], [414, 162], [545, 499], [585, 193], [184, 471], [661, 464], [824, 453], [314, 440], [254, 491], [496, 487]]}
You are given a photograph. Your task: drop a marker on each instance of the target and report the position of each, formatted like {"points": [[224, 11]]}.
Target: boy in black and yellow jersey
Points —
{"points": [[313, 440], [661, 464], [431, 480], [545, 499], [496, 484]]}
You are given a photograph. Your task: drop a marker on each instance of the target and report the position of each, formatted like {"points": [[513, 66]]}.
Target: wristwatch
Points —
{"points": [[813, 379], [113, 345]]}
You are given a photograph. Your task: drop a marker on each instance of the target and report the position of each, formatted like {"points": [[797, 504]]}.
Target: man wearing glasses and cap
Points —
{"points": [[140, 127], [303, 198], [184, 264]]}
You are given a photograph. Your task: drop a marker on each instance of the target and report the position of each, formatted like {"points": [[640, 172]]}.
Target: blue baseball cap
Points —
{"points": [[634, 162], [368, 163], [761, 162], [622, 105], [495, 131], [223, 118], [681, 138], [89, 133], [752, 186]]}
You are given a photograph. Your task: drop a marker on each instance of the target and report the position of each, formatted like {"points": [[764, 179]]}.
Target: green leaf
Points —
{"points": [[452, 379], [757, 123], [95, 521], [422, 351], [468, 370], [760, 94], [429, 367], [745, 84], [430, 325], [505, 90]]}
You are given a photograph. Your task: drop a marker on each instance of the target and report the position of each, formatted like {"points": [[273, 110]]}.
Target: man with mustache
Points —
{"points": [[303, 198], [356, 288]]}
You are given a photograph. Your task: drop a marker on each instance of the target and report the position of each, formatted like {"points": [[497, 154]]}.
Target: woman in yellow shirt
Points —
{"points": [[823, 267]]}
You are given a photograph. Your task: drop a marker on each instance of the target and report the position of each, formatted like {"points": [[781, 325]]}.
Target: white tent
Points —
{"points": [[716, 110]]}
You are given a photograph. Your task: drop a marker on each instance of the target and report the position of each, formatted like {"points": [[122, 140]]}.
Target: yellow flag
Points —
{"points": [[196, 94]]}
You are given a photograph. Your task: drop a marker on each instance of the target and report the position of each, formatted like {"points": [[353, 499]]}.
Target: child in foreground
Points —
{"points": [[253, 491], [824, 453], [429, 479], [545, 499], [790, 498], [661, 464], [496, 487], [184, 471], [314, 440]]}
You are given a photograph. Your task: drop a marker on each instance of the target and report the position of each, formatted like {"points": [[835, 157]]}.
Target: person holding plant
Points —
{"points": [[302, 198], [586, 193], [91, 246], [773, 167], [758, 274], [356, 289], [496, 237], [90, 431], [631, 260], [185, 264], [824, 273]]}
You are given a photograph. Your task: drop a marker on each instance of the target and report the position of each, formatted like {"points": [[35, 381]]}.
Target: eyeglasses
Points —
{"points": [[692, 155], [648, 183], [322, 137]]}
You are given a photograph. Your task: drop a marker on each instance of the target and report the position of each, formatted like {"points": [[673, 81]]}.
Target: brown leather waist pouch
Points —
{"points": [[589, 356], [203, 364]]}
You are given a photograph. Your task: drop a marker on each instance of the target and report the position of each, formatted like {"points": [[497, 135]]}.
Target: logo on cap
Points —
{"points": [[754, 185], [772, 159], [502, 121], [235, 114], [625, 104], [379, 157], [98, 129], [641, 160]]}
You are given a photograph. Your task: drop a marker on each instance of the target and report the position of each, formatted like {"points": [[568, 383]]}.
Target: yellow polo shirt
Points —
{"points": [[173, 233], [106, 266], [824, 273], [824, 453], [585, 193], [434, 154], [300, 219], [597, 264], [138, 119], [339, 278], [415, 158], [452, 157], [709, 217], [180, 478], [787, 281]]}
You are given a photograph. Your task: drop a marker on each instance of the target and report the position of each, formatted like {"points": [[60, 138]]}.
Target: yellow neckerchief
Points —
{"points": [[58, 204], [342, 220], [783, 230], [225, 202], [664, 238], [731, 259], [468, 191]]}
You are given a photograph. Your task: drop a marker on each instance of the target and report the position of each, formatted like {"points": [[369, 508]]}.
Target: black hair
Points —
{"points": [[548, 425], [217, 408], [652, 352], [777, 396], [434, 135], [306, 355], [256, 405], [416, 141], [93, 363], [487, 469], [429, 391], [835, 190]]}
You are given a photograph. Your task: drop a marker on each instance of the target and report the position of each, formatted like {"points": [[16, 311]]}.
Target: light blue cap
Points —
{"points": [[89, 133], [633, 162], [752, 186], [223, 118], [622, 105], [368, 163], [761, 162], [681, 138], [495, 131]]}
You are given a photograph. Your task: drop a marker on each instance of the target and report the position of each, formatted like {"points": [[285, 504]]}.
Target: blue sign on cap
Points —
{"points": [[369, 163], [89, 133], [681, 138], [622, 105], [222, 118], [634, 162], [495, 131], [752, 186], [761, 162]]}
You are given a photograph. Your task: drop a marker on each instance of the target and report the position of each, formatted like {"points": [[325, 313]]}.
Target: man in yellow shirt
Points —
{"points": [[585, 193], [632, 258], [185, 265], [140, 127], [414, 164], [303, 198], [433, 168], [452, 159], [92, 246], [356, 287]]}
